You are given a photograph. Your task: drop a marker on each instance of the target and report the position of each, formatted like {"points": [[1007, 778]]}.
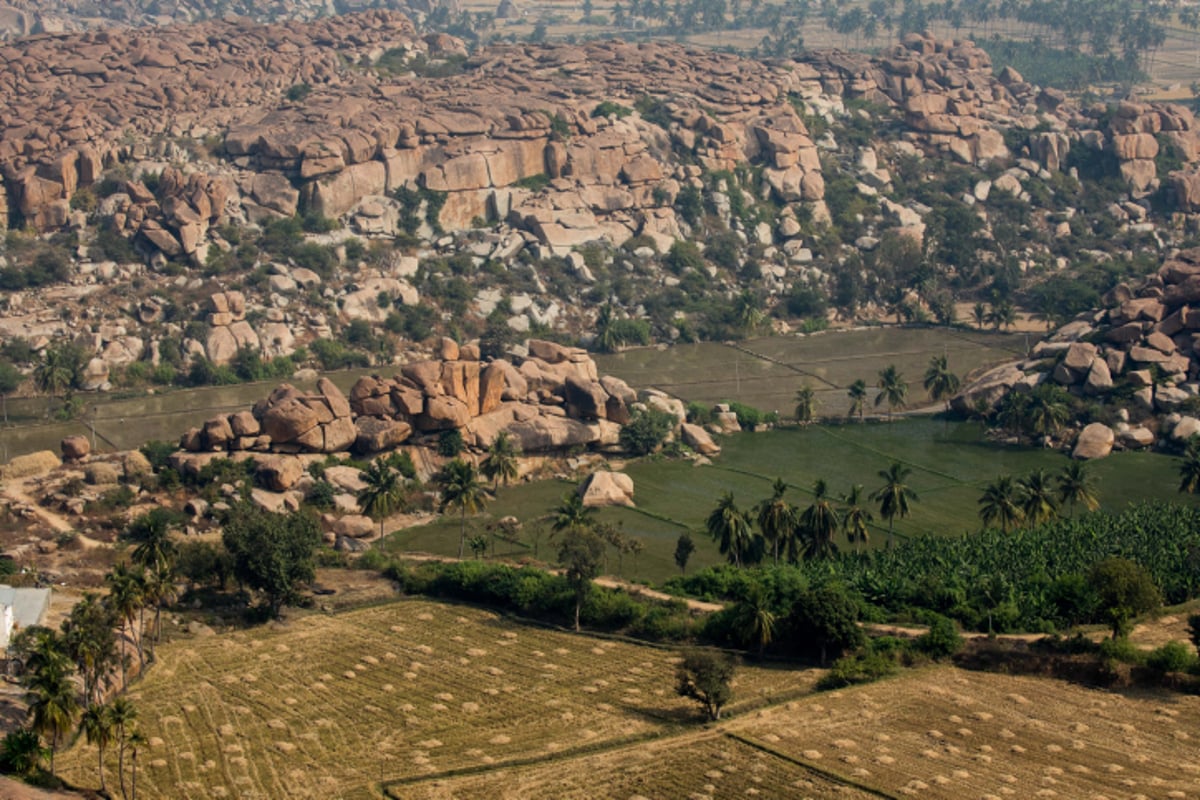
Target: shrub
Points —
{"points": [[859, 668], [646, 431], [450, 443], [1171, 657], [942, 640]]}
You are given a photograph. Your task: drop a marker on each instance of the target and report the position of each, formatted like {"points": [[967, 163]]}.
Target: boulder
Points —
{"points": [[348, 479], [355, 526], [698, 439], [102, 473], [443, 413], [1095, 441], [1185, 429], [491, 387], [585, 400], [288, 421], [338, 435], [1099, 378], [376, 434], [544, 433], [605, 488], [1136, 438], [279, 473], [75, 448], [217, 433], [244, 423], [333, 398]]}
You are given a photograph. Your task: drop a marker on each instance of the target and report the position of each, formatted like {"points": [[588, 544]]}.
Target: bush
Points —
{"points": [[859, 668], [942, 639], [646, 431], [1171, 657], [450, 443]]}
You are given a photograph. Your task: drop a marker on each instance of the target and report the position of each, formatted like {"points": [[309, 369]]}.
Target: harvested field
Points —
{"points": [[948, 733], [327, 706]]}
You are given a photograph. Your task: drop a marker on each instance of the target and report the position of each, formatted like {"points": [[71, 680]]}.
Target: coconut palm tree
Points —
{"points": [[892, 389], [894, 496], [52, 706], [1189, 468], [159, 590], [979, 314], [747, 310], [152, 532], [135, 742], [383, 492], [1037, 498], [607, 338], [730, 528], [572, 515], [1002, 502], [124, 716], [758, 619], [500, 464], [461, 489], [858, 398], [1048, 410], [806, 403], [1077, 487], [855, 517], [98, 728], [776, 518], [125, 599], [819, 523], [940, 382]]}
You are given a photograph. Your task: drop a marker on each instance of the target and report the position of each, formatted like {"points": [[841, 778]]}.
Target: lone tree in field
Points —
{"points": [[894, 495], [892, 389], [707, 678], [383, 492], [684, 547], [858, 398], [940, 382], [500, 465], [1125, 590], [581, 554], [462, 490], [806, 403], [272, 553]]}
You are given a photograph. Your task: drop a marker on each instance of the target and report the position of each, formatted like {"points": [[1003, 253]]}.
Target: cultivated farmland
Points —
{"points": [[331, 706]]}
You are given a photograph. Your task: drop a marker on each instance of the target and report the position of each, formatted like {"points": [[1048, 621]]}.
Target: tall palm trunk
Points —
{"points": [[100, 768], [462, 534]]}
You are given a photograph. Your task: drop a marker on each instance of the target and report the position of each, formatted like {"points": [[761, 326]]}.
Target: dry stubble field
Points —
{"points": [[333, 706]]}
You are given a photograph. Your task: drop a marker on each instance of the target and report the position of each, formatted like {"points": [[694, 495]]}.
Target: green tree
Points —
{"points": [[151, 535], [21, 752], [158, 586], [819, 523], [856, 518], [383, 492], [90, 641], [940, 382], [52, 706], [806, 403], [979, 314], [747, 310], [135, 741], [1125, 590], [707, 678], [776, 518], [892, 389], [824, 621], [10, 379], [462, 490], [1189, 468], [1037, 497], [272, 553], [646, 431], [571, 514], [501, 465], [124, 716], [58, 370], [98, 728], [1048, 410], [1002, 502], [125, 599], [608, 337], [730, 528], [858, 398], [1077, 487], [894, 496], [756, 619], [684, 547], [581, 553]]}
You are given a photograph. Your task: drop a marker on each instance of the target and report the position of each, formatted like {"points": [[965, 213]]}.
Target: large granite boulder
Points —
{"points": [[1095, 441]]}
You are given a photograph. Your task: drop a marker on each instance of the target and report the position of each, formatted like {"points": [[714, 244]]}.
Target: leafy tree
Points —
{"points": [[684, 547], [1002, 502], [450, 443], [893, 497], [707, 678], [858, 398], [806, 403], [1189, 468], [892, 389], [136, 741], [500, 465], [462, 490], [730, 528], [855, 517], [1037, 498], [824, 621], [21, 752], [272, 553], [607, 338], [942, 640], [776, 518], [1125, 590], [819, 523], [940, 382], [581, 553], [383, 492], [979, 314], [98, 728], [90, 641], [747, 310], [646, 431], [1077, 487], [10, 379]]}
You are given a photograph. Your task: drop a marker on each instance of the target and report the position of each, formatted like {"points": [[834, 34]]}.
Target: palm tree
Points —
{"points": [[500, 465], [1047, 410], [820, 522], [776, 518], [1002, 502], [892, 389], [461, 489], [1189, 469], [607, 339], [572, 515], [940, 382], [56, 371], [730, 528], [758, 620], [1037, 498], [136, 741], [159, 590], [383, 494], [152, 532], [979, 314], [858, 398], [855, 517], [747, 309], [98, 728], [806, 403], [125, 599], [893, 497], [52, 709], [1076, 486], [124, 715]]}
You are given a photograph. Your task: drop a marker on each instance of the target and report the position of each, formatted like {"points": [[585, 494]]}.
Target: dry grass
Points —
{"points": [[330, 706], [947, 733]]}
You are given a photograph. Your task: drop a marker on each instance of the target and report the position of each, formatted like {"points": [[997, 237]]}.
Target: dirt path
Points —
{"points": [[18, 491], [913, 631]]}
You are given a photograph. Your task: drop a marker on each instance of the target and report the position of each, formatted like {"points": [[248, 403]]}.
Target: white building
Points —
{"points": [[20, 608]]}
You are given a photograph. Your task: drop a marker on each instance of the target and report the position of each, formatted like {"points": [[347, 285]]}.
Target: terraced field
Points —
{"points": [[335, 706]]}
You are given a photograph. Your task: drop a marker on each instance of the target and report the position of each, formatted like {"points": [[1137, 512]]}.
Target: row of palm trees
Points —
{"points": [[776, 528], [1036, 498], [939, 382]]}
